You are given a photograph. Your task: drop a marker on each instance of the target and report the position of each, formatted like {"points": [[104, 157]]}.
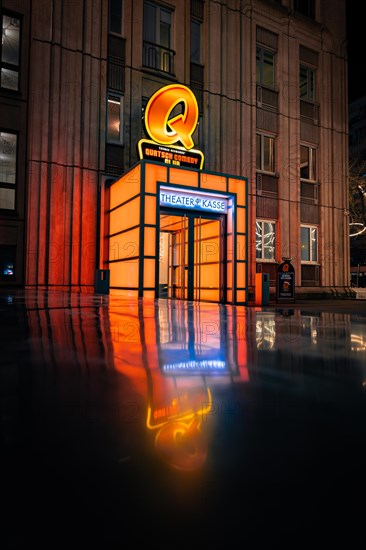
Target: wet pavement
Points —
{"points": [[179, 423]]}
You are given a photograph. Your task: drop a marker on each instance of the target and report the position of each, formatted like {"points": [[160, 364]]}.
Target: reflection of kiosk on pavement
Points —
{"points": [[173, 360], [179, 398]]}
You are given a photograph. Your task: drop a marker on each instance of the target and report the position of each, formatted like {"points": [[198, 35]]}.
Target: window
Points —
{"points": [[265, 67], [196, 42], [265, 153], [115, 16], [308, 163], [8, 162], [10, 40], [158, 38], [265, 234], [7, 262], [309, 243], [307, 83], [115, 119], [305, 7]]}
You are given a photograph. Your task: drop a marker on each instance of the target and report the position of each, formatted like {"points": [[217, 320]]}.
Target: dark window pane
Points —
{"points": [[265, 67], [115, 16], [8, 160], [195, 42], [7, 262], [307, 83], [10, 40], [258, 152], [7, 198], [305, 7], [9, 79], [165, 28], [305, 244], [268, 164], [304, 162], [150, 23]]}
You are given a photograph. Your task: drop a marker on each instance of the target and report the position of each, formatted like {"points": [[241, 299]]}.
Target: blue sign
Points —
{"points": [[177, 198]]}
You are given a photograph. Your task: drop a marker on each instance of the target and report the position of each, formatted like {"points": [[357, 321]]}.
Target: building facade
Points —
{"points": [[270, 78]]}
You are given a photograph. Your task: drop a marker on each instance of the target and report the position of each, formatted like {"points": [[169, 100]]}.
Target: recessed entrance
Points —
{"points": [[191, 256]]}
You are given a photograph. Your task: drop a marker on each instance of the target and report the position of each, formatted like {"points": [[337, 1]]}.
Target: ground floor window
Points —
{"points": [[309, 243], [265, 240]]}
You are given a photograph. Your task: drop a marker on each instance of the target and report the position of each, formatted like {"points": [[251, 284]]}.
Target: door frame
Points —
{"points": [[191, 216]]}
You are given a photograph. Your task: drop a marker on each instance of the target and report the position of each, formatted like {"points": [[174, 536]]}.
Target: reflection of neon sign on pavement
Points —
{"points": [[179, 439], [204, 365]]}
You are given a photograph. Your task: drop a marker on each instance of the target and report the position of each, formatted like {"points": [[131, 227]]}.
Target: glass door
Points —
{"points": [[191, 257], [207, 259], [173, 257]]}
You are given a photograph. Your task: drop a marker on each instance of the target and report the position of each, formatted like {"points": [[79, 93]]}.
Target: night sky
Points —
{"points": [[356, 28]]}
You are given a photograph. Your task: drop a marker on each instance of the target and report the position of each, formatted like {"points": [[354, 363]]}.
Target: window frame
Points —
{"points": [[159, 8], [310, 227], [261, 169], [311, 150], [9, 66], [199, 24], [311, 95], [309, 10], [114, 97], [122, 19], [261, 49], [11, 186], [262, 259]]}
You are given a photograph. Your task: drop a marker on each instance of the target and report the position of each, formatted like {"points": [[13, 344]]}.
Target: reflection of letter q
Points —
{"points": [[183, 446]]}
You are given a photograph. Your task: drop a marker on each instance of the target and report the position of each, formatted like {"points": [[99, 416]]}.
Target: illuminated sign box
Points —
{"points": [[171, 132], [179, 198], [176, 156]]}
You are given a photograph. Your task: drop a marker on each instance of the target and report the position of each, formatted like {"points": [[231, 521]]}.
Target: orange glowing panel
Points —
{"points": [[124, 245], [229, 222], [130, 293], [241, 250], [184, 177], [209, 295], [154, 173], [238, 187], [229, 272], [240, 220], [241, 275], [209, 181], [126, 187], [241, 296], [150, 210], [125, 274], [149, 273], [125, 216], [210, 275], [150, 243]]}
